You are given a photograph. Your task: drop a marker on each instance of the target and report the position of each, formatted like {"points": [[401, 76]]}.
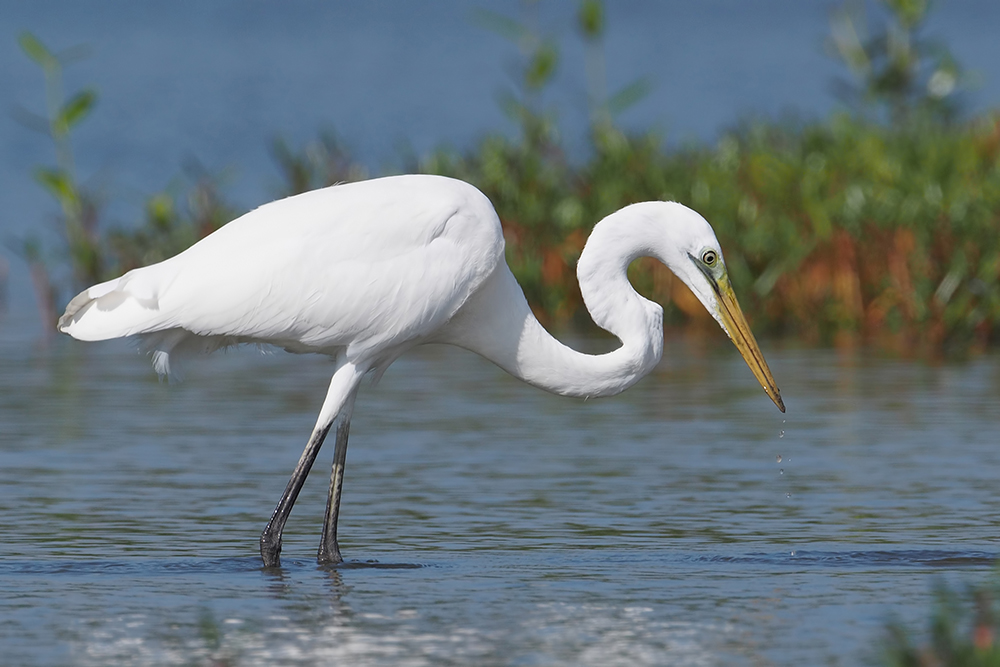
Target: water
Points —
{"points": [[486, 522]]}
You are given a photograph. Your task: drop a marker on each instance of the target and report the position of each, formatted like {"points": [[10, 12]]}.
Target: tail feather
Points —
{"points": [[110, 310], [130, 306], [107, 311], [81, 300]]}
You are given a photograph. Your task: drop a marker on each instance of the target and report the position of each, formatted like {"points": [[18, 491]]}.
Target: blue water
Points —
{"points": [[486, 522]]}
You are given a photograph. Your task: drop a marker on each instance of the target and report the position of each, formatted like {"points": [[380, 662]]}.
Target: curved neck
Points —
{"points": [[497, 323], [544, 362]]}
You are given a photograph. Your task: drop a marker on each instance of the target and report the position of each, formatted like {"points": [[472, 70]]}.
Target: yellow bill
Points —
{"points": [[735, 325]]}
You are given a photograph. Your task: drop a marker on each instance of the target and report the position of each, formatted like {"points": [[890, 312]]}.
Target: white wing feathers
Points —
{"points": [[357, 269]]}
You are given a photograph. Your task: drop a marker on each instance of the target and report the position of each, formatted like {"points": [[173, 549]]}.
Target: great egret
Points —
{"points": [[364, 272]]}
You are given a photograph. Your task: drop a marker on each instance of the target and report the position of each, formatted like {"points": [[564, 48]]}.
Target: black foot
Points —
{"points": [[270, 550], [329, 555]]}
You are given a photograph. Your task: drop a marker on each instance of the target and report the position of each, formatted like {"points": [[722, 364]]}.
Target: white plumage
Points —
{"points": [[365, 271], [345, 267]]}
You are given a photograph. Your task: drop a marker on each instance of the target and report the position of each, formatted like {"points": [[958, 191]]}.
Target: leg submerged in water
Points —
{"points": [[337, 406], [329, 550], [270, 539]]}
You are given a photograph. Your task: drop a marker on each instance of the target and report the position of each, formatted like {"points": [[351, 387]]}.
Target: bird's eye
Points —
{"points": [[710, 257]]}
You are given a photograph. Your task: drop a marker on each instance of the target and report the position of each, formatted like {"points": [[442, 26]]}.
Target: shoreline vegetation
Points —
{"points": [[875, 226]]}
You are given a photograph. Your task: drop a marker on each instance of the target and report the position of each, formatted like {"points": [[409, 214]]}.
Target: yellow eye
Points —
{"points": [[710, 257]]}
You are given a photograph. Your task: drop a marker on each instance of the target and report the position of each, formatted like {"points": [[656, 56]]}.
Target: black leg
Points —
{"points": [[270, 539], [329, 551]]}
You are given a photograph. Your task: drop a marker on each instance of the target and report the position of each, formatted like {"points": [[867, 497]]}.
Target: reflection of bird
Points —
{"points": [[366, 271]]}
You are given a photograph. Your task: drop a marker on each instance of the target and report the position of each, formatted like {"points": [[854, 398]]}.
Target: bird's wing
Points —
{"points": [[356, 266]]}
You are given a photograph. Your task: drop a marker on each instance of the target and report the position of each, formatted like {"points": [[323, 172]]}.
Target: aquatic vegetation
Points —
{"points": [[962, 632], [844, 231]]}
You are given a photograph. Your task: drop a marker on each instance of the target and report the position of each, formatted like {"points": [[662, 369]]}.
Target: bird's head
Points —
{"points": [[686, 244], [693, 253], [695, 256]]}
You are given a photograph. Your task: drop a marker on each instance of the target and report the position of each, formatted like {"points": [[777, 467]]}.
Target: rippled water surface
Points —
{"points": [[484, 521]]}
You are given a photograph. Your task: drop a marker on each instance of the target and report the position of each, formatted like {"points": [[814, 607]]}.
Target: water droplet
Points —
{"points": [[779, 458], [781, 471]]}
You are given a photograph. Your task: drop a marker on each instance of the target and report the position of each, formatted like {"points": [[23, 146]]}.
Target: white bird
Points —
{"points": [[363, 272]]}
